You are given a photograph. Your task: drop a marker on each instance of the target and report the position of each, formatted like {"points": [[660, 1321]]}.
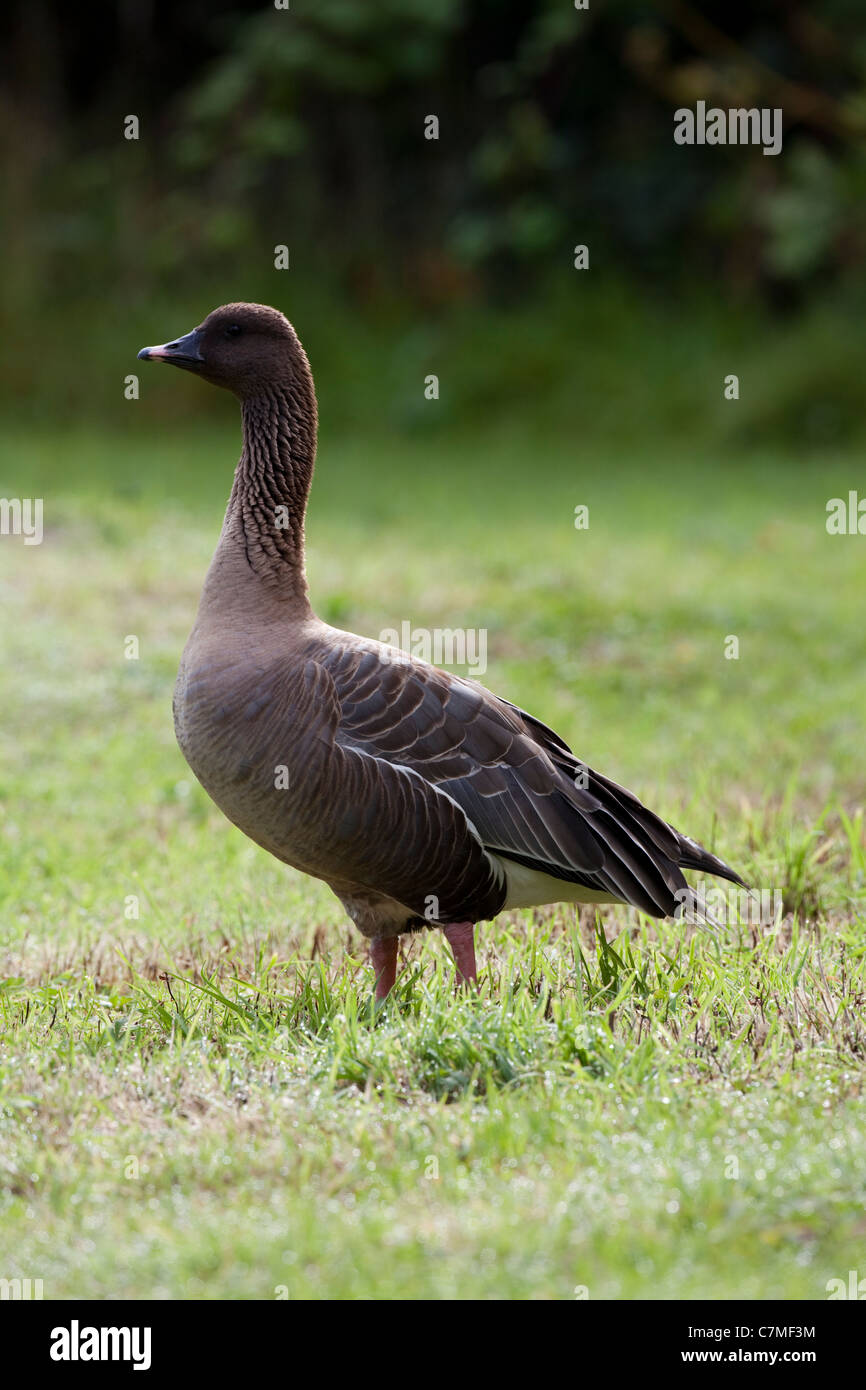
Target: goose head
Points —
{"points": [[246, 348]]}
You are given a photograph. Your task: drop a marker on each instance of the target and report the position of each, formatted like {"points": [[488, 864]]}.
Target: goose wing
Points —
{"points": [[388, 829], [523, 793]]}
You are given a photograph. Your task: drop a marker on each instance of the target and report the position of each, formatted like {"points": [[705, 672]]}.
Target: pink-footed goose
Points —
{"points": [[421, 798]]}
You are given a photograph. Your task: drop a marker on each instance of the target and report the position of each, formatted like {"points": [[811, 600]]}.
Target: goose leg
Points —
{"points": [[383, 952], [461, 939]]}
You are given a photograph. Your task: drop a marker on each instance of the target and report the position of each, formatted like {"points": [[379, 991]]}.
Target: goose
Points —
{"points": [[421, 798]]}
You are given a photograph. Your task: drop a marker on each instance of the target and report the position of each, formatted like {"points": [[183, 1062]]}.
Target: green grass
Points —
{"points": [[198, 1101]]}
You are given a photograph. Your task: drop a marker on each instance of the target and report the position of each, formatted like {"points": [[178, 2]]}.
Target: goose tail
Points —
{"points": [[694, 856]]}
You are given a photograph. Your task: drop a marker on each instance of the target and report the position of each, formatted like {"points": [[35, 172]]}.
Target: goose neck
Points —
{"points": [[272, 483]]}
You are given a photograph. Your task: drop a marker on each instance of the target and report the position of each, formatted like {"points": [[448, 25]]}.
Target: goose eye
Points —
{"points": [[233, 330]]}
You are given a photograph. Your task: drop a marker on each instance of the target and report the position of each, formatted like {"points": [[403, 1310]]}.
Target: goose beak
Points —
{"points": [[182, 352]]}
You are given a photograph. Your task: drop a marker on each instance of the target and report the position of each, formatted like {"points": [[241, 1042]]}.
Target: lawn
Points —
{"points": [[196, 1099]]}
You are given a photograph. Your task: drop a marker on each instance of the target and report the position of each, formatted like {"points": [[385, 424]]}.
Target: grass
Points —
{"points": [[197, 1098]]}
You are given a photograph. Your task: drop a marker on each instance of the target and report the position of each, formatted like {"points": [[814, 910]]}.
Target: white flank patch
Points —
{"points": [[532, 888]]}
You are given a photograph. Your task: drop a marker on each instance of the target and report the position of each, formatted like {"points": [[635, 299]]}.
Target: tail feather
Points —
{"points": [[694, 856], [638, 857], [657, 885]]}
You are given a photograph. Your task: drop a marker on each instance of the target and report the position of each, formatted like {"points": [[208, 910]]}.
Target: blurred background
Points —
{"points": [[305, 127]]}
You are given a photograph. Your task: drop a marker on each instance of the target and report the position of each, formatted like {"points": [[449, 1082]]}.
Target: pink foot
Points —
{"points": [[461, 939], [383, 952]]}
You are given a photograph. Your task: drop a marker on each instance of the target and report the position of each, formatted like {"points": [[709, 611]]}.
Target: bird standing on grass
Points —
{"points": [[422, 799]]}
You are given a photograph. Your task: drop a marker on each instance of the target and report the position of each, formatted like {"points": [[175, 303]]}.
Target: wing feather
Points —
{"points": [[520, 787]]}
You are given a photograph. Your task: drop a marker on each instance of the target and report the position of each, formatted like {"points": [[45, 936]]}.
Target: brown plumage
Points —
{"points": [[420, 797]]}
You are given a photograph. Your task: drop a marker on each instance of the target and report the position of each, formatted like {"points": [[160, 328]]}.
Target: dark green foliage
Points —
{"points": [[306, 127]]}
